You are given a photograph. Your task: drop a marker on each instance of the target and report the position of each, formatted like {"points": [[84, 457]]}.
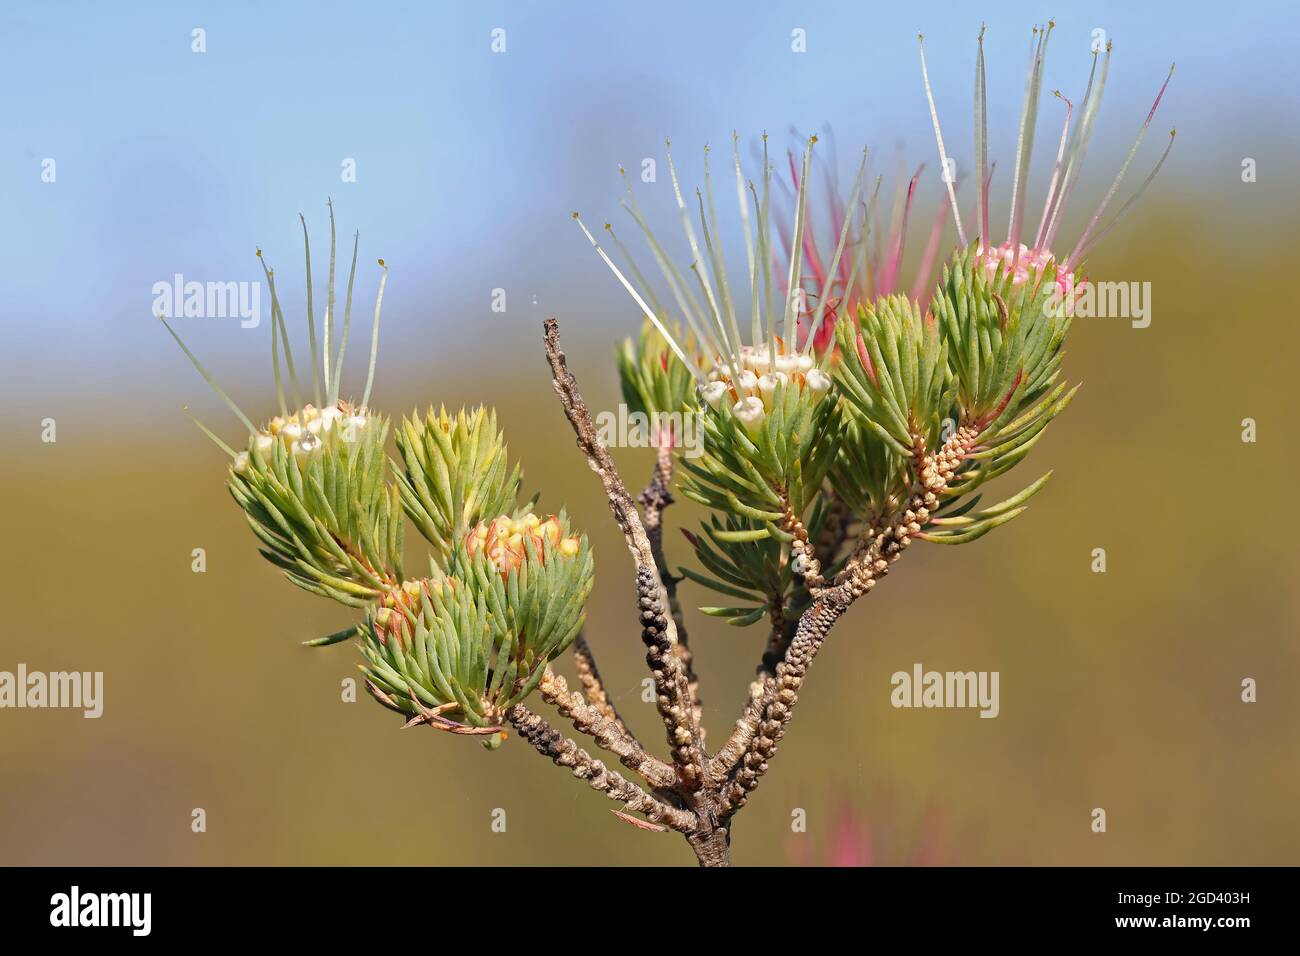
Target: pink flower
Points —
{"points": [[1016, 254]]}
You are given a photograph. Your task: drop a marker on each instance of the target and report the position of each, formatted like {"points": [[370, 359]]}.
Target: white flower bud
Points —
{"points": [[750, 413], [241, 463], [767, 386], [803, 363], [747, 384], [712, 393], [264, 442], [314, 426], [818, 382], [292, 431]]}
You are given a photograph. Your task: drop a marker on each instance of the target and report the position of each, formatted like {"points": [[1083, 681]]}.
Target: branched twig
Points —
{"points": [[761, 689], [880, 547], [654, 499], [659, 631], [549, 742], [803, 557], [587, 720], [830, 541], [835, 529], [593, 686]]}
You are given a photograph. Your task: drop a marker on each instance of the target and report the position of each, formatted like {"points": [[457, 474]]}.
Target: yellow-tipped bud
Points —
{"points": [[505, 540]]}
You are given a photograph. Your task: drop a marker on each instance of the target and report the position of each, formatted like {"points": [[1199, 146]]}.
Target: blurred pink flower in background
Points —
{"points": [[856, 838]]}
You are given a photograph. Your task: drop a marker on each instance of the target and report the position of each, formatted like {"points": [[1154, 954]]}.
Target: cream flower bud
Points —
{"points": [[803, 363], [328, 416], [314, 426], [751, 415], [264, 442], [818, 382], [241, 463], [767, 386], [712, 393], [292, 431], [747, 384]]}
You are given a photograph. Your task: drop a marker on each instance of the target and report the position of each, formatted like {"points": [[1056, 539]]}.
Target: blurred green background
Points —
{"points": [[1118, 690]]}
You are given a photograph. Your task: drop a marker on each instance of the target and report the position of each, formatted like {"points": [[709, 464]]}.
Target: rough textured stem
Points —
{"points": [[587, 720], [803, 555], [882, 544], [814, 625], [713, 847], [760, 692], [654, 499], [742, 734], [593, 687], [549, 742], [834, 532], [659, 633]]}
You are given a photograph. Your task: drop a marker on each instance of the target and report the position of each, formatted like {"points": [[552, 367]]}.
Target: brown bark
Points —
{"points": [[695, 794], [659, 632], [593, 686], [656, 497]]}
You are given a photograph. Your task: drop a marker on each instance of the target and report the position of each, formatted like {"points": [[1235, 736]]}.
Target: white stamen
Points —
{"points": [[649, 314], [943, 153]]}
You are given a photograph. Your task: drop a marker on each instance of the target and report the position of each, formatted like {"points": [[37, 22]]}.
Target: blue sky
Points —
{"points": [[469, 162]]}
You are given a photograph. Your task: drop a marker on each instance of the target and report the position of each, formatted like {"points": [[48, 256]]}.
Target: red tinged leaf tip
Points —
{"points": [[1002, 405], [866, 361], [695, 542]]}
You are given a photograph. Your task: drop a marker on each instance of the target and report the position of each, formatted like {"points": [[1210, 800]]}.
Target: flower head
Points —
{"points": [[302, 431], [1018, 254], [504, 540], [783, 328]]}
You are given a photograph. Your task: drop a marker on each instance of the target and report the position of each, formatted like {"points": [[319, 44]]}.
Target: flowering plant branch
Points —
{"points": [[854, 422]]}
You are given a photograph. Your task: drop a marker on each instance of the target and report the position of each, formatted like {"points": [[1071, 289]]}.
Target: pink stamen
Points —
{"points": [[891, 266], [1110, 193]]}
